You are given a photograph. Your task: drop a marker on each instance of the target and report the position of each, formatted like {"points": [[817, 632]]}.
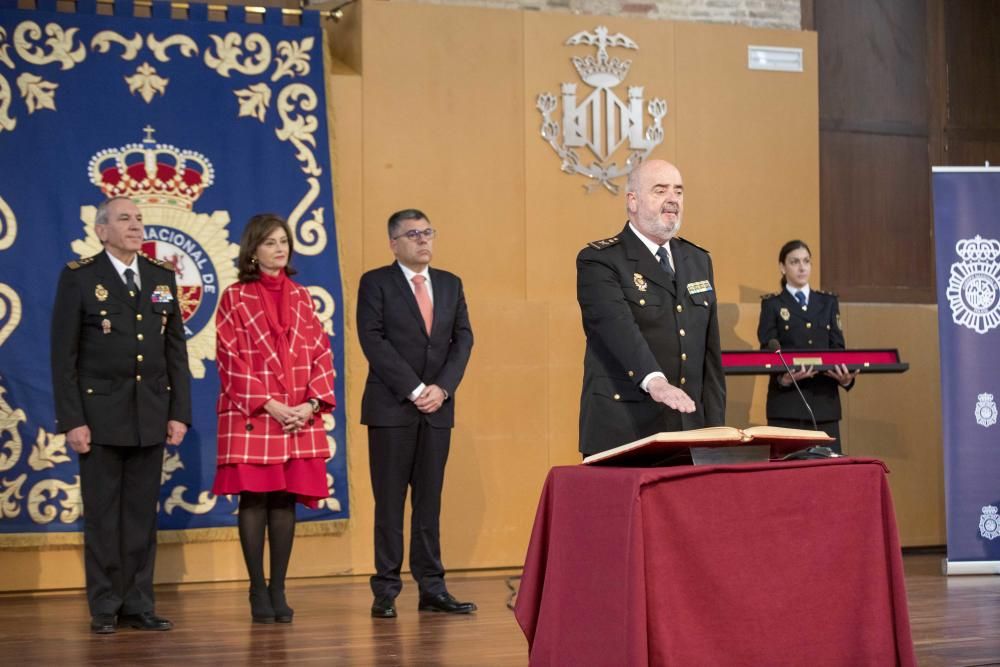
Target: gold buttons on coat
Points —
{"points": [[139, 336], [684, 356], [138, 358], [683, 380], [138, 378], [617, 397], [810, 342], [642, 302], [682, 332], [631, 373], [827, 327], [786, 327], [680, 308], [89, 390], [103, 313], [138, 316], [809, 325]]}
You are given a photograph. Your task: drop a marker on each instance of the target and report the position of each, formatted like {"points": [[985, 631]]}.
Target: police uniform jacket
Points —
{"points": [[638, 320], [119, 364], [250, 374], [815, 328]]}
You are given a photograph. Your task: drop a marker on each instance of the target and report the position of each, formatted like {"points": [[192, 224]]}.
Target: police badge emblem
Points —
{"points": [[974, 285], [986, 411], [989, 523], [640, 282], [101, 292], [785, 315]]}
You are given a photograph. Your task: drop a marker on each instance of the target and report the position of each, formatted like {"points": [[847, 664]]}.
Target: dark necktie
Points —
{"points": [[661, 253], [801, 298], [133, 291]]}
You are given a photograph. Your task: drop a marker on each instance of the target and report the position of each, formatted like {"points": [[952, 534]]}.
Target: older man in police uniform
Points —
{"points": [[653, 359], [122, 389]]}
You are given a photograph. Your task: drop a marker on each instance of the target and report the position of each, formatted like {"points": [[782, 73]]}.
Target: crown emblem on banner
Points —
{"points": [[152, 173], [978, 249]]}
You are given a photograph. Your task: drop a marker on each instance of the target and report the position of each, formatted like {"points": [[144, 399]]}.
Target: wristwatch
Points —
{"points": [[315, 405]]}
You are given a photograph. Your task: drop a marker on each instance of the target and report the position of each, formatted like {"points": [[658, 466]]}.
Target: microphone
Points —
{"points": [[774, 346]]}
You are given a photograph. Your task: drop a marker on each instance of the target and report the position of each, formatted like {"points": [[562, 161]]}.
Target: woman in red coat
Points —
{"points": [[276, 377]]}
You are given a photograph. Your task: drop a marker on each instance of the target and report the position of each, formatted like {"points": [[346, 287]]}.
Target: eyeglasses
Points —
{"points": [[415, 234]]}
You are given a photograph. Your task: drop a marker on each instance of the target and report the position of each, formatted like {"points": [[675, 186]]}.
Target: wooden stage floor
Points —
{"points": [[955, 621]]}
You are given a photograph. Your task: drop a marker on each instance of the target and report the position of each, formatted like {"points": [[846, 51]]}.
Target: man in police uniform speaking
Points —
{"points": [[122, 389], [653, 361]]}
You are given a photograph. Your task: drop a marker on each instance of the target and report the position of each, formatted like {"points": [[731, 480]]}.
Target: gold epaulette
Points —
{"points": [[769, 296], [819, 291], [684, 240], [83, 261], [158, 262], [604, 243]]}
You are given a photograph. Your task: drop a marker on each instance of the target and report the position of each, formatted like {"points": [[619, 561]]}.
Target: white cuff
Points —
{"points": [[646, 380], [415, 394]]}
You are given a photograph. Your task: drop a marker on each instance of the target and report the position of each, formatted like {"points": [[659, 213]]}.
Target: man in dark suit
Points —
{"points": [[653, 360], [122, 389], [414, 329]]}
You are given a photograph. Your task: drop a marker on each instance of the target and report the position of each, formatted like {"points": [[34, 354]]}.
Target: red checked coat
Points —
{"points": [[250, 373]]}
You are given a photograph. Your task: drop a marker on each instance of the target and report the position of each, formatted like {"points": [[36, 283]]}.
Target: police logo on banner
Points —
{"points": [[974, 285], [165, 181], [989, 523], [602, 122], [986, 411]]}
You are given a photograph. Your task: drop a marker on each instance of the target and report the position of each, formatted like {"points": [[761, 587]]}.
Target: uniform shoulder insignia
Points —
{"points": [[764, 297], [819, 291], [160, 263], [83, 261], [693, 245], [604, 243]]}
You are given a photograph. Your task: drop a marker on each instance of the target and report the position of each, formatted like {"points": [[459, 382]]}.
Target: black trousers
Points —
{"points": [[120, 488], [405, 457], [831, 428]]}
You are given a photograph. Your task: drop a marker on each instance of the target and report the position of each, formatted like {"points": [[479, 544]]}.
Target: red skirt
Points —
{"points": [[305, 478]]}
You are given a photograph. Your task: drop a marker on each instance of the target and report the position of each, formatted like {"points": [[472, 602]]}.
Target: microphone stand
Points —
{"points": [[784, 363]]}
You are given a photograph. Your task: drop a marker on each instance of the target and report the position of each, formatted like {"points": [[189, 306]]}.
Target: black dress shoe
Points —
{"points": [[103, 624], [384, 608], [282, 612], [261, 610], [446, 603], [147, 620]]}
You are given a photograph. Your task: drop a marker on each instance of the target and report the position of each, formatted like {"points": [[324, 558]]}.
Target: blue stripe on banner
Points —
{"points": [[310, 18], [125, 8], [161, 10], [8, 4], [273, 16], [46, 5], [967, 240], [236, 14], [86, 6], [197, 11]]}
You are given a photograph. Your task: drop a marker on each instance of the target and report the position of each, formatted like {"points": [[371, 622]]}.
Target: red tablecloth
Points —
{"points": [[794, 563]]}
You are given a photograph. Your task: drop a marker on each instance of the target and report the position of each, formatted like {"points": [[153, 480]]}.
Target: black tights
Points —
{"points": [[274, 511]]}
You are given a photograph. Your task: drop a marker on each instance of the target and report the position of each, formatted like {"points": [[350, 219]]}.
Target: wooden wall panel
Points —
{"points": [[876, 211]]}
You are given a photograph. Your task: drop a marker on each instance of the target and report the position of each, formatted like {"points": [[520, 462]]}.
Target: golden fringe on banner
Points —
{"points": [[41, 541]]}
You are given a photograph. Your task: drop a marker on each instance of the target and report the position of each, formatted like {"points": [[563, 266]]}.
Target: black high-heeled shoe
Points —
{"points": [[282, 612], [261, 610]]}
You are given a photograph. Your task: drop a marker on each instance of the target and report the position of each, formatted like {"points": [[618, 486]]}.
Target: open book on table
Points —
{"points": [[660, 446]]}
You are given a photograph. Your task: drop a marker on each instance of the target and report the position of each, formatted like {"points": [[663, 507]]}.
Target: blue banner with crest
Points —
{"points": [[203, 124], [967, 238]]}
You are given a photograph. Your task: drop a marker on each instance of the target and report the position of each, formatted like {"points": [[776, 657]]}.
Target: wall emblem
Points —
{"points": [[989, 523], [602, 123], [986, 411], [165, 181], [974, 285]]}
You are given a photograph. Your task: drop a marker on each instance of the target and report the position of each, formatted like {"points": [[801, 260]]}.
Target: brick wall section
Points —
{"points": [[784, 14]]}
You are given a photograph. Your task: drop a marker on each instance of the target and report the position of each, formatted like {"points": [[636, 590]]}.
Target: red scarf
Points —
{"points": [[275, 294]]}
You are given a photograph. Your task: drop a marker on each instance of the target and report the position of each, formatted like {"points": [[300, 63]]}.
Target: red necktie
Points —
{"points": [[423, 301]]}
